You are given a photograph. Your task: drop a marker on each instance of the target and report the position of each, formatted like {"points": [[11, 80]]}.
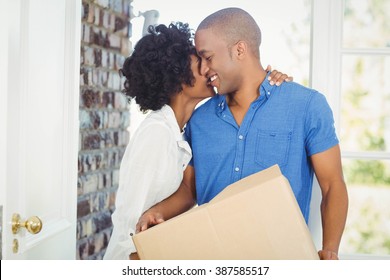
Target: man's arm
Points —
{"points": [[334, 205], [179, 202]]}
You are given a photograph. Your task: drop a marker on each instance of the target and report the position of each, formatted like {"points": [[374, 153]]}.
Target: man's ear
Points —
{"points": [[241, 49]]}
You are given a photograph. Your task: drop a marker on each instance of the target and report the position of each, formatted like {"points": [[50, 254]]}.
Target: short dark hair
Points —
{"points": [[159, 65], [234, 24]]}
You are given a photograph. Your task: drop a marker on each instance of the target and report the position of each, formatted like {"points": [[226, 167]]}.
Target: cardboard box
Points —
{"points": [[257, 217]]}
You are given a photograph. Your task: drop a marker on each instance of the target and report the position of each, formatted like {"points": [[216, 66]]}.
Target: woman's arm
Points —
{"points": [[179, 202]]}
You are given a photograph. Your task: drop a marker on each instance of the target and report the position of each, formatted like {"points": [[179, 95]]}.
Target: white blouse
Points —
{"points": [[151, 170]]}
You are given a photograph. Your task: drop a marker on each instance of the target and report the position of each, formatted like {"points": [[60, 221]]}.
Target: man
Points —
{"points": [[254, 125]]}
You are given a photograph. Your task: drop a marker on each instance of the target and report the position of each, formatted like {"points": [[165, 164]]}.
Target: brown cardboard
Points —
{"points": [[257, 217]]}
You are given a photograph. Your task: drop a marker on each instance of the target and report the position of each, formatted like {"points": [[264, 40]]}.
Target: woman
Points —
{"points": [[163, 76]]}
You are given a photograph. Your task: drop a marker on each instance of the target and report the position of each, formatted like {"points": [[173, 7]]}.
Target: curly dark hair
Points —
{"points": [[159, 65]]}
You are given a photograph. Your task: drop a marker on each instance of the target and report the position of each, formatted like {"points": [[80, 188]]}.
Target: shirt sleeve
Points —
{"points": [[140, 183], [319, 125]]}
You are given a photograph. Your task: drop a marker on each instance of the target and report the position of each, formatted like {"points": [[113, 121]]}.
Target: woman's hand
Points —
{"points": [[148, 219], [277, 77]]}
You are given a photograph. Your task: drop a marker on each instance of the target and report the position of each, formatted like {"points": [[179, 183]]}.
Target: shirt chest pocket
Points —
{"points": [[272, 147]]}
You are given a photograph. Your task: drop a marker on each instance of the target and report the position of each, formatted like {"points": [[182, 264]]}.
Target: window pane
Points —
{"points": [[371, 19], [368, 223], [365, 104]]}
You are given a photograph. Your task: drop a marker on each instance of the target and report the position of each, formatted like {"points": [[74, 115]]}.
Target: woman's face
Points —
{"points": [[200, 90]]}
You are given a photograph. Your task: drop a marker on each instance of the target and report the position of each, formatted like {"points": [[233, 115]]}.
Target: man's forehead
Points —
{"points": [[203, 33], [203, 41]]}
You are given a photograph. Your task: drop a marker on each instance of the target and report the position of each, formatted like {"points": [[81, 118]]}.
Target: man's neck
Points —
{"points": [[240, 100]]}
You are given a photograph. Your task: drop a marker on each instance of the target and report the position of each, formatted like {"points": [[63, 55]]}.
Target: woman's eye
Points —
{"points": [[208, 58]]}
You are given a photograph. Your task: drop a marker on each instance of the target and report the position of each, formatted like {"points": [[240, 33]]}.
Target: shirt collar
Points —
{"points": [[221, 103], [265, 87], [265, 92], [169, 115]]}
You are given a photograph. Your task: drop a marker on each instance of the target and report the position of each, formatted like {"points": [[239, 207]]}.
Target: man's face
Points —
{"points": [[218, 62]]}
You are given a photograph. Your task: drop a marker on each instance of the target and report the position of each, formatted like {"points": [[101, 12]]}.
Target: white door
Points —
{"points": [[39, 74]]}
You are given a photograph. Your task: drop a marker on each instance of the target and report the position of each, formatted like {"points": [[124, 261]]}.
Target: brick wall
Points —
{"points": [[104, 118]]}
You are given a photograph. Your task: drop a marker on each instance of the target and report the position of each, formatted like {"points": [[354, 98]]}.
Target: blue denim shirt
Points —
{"points": [[285, 125]]}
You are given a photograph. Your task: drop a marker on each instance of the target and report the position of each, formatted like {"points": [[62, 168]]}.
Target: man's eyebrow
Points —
{"points": [[202, 52]]}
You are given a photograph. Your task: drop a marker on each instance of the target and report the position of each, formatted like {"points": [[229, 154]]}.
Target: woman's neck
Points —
{"points": [[183, 109]]}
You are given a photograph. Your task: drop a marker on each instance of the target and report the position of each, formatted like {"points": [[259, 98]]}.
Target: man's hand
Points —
{"points": [[327, 255], [148, 219], [277, 77]]}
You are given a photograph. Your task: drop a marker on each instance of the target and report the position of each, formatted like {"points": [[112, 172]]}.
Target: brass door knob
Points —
{"points": [[32, 224]]}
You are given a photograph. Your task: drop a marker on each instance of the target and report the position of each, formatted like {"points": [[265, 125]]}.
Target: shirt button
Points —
{"points": [[237, 169], [240, 137]]}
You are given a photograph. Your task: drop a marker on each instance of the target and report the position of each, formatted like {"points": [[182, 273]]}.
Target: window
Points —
{"points": [[358, 49], [365, 125]]}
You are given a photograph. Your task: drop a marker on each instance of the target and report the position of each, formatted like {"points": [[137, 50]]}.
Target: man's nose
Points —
{"points": [[203, 67]]}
